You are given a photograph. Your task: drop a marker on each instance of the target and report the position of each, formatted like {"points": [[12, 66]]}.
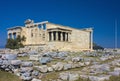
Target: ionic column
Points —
{"points": [[56, 36], [9, 35], [42, 26], [65, 36], [48, 36], [61, 35], [52, 36], [12, 35]]}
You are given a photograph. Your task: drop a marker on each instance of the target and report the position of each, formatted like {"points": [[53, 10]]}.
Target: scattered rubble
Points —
{"points": [[87, 64]]}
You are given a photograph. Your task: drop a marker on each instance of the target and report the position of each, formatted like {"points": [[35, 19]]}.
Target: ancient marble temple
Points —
{"points": [[52, 36]]}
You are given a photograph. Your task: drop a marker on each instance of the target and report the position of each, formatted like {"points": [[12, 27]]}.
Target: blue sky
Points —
{"points": [[99, 14]]}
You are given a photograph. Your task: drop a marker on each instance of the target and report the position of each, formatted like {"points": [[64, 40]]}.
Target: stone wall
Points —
{"points": [[78, 40]]}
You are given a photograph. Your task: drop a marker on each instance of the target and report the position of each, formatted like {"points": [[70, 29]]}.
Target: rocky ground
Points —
{"points": [[33, 65]]}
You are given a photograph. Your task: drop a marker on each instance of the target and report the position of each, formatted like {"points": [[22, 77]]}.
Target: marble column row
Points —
{"points": [[12, 35], [59, 36], [42, 26]]}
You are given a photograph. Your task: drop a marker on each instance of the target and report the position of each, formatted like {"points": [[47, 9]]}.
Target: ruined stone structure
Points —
{"points": [[53, 36]]}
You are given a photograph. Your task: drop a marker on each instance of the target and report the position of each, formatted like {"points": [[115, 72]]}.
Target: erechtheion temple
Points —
{"points": [[53, 36]]}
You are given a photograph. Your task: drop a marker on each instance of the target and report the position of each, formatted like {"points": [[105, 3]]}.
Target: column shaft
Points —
{"points": [[65, 36], [61, 36], [12, 36], [52, 36], [48, 36], [56, 36], [42, 26]]}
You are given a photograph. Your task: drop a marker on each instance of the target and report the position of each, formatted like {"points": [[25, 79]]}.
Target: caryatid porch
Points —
{"points": [[58, 34]]}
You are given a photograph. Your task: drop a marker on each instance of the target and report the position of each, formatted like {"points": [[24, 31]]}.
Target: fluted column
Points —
{"points": [[65, 36], [9, 35], [61, 35], [48, 34], [42, 26], [52, 36], [12, 35], [56, 36]]}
